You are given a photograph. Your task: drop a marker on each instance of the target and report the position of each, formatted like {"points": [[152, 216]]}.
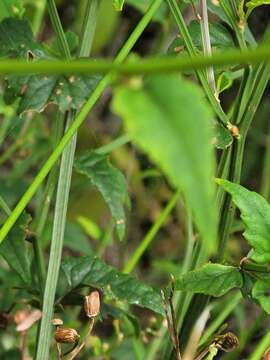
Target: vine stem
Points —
{"points": [[63, 194]]}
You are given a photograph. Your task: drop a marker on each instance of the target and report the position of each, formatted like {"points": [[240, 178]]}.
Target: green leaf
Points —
{"points": [[169, 119], [118, 4], [37, 91], [223, 138], [16, 40], [91, 271], [109, 181], [220, 38], [255, 213], [260, 292], [225, 79], [252, 4], [212, 279], [10, 8], [14, 250]]}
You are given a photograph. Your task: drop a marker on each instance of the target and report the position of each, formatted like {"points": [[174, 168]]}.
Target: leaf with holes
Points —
{"points": [[109, 181], [212, 279], [91, 271], [168, 118], [255, 213], [37, 91], [14, 250]]}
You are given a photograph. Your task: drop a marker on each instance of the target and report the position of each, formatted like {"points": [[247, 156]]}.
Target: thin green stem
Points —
{"points": [[207, 42], [62, 197], [144, 66], [62, 200], [163, 216], [261, 348], [88, 28], [61, 37], [120, 141], [200, 73], [232, 15], [39, 14], [76, 123]]}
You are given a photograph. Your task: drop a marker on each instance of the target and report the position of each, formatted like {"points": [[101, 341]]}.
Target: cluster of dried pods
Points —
{"points": [[64, 335]]}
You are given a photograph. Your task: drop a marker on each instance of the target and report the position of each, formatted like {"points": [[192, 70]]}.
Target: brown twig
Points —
{"points": [[174, 322], [79, 348]]}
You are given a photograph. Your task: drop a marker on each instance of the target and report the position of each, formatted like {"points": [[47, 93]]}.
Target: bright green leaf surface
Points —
{"points": [[10, 8], [94, 272], [14, 251], [260, 292], [223, 138], [251, 5], [118, 4], [211, 279], [255, 213], [169, 119], [109, 181]]}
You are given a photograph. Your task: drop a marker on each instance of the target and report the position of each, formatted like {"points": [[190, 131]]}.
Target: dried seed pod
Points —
{"points": [[66, 335], [227, 342], [57, 322], [92, 304], [234, 130], [29, 320]]}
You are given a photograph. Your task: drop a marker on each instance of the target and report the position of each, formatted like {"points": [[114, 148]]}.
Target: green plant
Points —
{"points": [[192, 127]]}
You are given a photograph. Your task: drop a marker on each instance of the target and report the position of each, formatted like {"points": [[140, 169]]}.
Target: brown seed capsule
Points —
{"points": [[66, 335], [234, 130], [92, 304], [227, 342], [57, 322]]}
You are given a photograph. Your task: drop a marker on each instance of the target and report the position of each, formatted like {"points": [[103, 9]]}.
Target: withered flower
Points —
{"points": [[227, 342], [92, 304], [66, 335]]}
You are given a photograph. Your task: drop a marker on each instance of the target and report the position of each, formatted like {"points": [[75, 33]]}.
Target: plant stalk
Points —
{"points": [[61, 204]]}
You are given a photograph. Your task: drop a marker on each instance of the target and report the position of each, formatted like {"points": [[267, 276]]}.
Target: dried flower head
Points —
{"points": [[227, 342], [92, 304], [25, 319], [66, 335], [57, 322]]}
